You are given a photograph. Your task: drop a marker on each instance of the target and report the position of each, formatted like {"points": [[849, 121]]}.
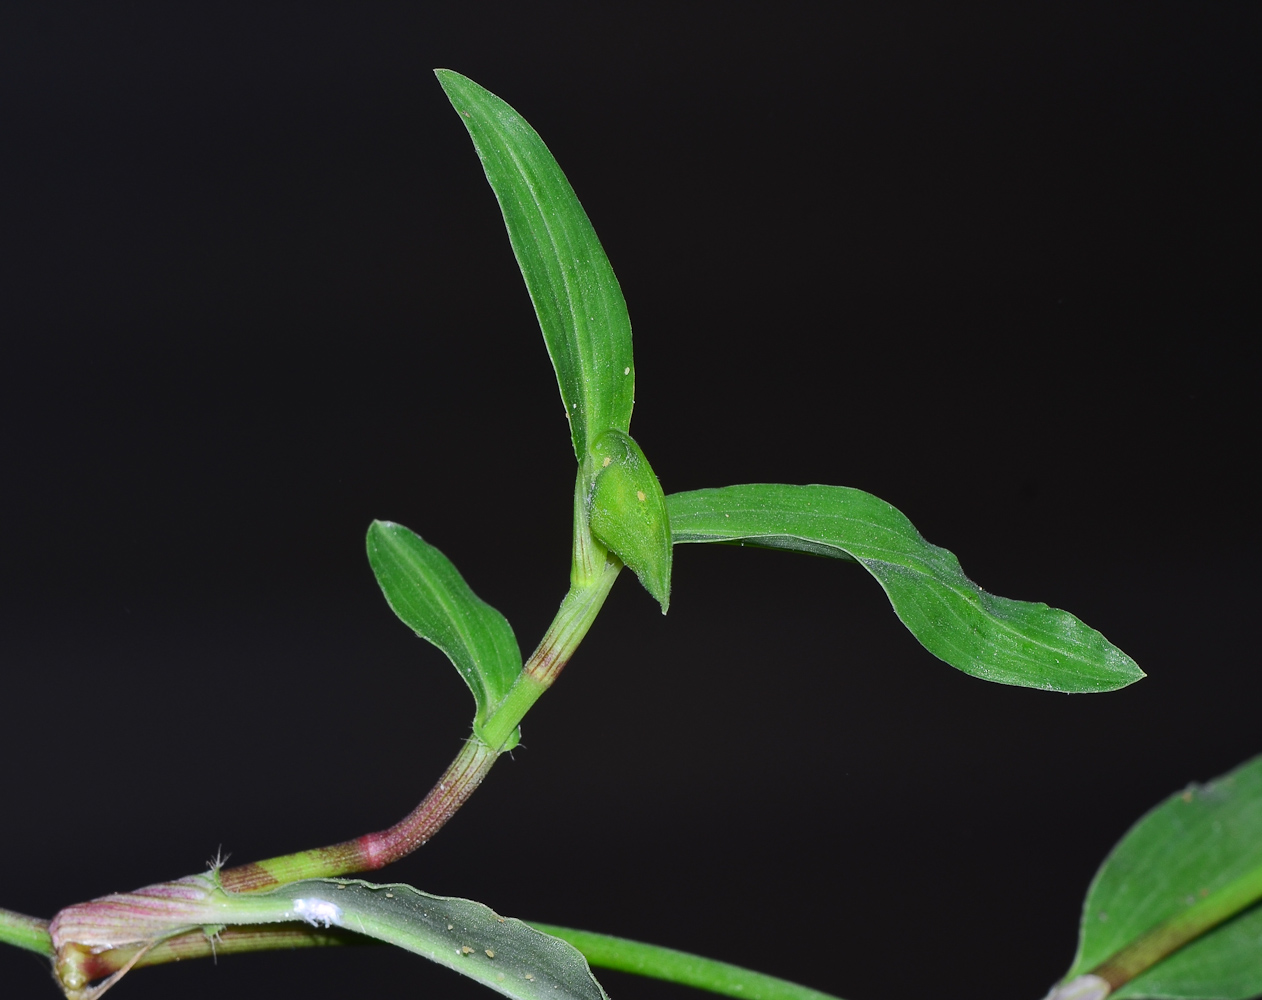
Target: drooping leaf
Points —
{"points": [[431, 597], [627, 511], [576, 296], [1200, 845], [997, 639], [505, 954]]}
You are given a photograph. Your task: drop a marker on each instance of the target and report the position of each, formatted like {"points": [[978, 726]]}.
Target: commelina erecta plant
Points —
{"points": [[1170, 914]]}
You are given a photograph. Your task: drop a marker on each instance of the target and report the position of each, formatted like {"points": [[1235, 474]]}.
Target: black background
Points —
{"points": [[990, 265]]}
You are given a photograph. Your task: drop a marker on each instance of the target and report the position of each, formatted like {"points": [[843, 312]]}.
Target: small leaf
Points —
{"points": [[1199, 845], [627, 511], [576, 296], [1009, 642], [427, 592]]}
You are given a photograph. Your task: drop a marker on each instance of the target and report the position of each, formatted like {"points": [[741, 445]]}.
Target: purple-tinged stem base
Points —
{"points": [[373, 850]]}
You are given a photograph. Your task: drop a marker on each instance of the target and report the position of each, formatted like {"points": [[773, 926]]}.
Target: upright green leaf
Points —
{"points": [[1191, 862], [1010, 642], [577, 298], [427, 592], [627, 511]]}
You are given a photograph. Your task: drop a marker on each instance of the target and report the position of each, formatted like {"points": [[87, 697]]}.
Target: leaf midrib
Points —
{"points": [[458, 621], [569, 292], [967, 594]]}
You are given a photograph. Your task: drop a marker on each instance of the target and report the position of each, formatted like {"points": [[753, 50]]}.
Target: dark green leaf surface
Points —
{"points": [[627, 512], [1196, 844], [427, 592], [577, 298], [503, 953], [1009, 642]]}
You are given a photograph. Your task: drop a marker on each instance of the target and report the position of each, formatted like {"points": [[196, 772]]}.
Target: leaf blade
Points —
{"points": [[1194, 846], [576, 295], [429, 595], [504, 953], [997, 639]]}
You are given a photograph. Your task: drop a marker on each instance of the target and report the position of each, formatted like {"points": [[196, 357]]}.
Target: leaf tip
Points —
{"points": [[1128, 671], [658, 586]]}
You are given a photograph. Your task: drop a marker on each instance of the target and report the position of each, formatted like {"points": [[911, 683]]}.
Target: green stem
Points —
{"points": [[229, 941], [601, 951], [1173, 933], [575, 616], [461, 779], [623, 955], [26, 932]]}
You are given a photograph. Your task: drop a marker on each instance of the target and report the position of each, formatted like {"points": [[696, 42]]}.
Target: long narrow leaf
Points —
{"points": [[1191, 862], [576, 296], [431, 597], [505, 954], [1001, 640]]}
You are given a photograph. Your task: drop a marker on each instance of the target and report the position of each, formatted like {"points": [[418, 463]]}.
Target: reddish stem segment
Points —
{"points": [[373, 850]]}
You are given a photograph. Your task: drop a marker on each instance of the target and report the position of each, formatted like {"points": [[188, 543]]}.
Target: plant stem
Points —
{"points": [[1173, 933], [26, 932], [229, 941], [374, 850], [601, 951], [573, 619], [623, 955]]}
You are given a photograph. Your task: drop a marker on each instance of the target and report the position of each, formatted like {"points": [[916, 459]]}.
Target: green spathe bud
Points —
{"points": [[626, 510]]}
